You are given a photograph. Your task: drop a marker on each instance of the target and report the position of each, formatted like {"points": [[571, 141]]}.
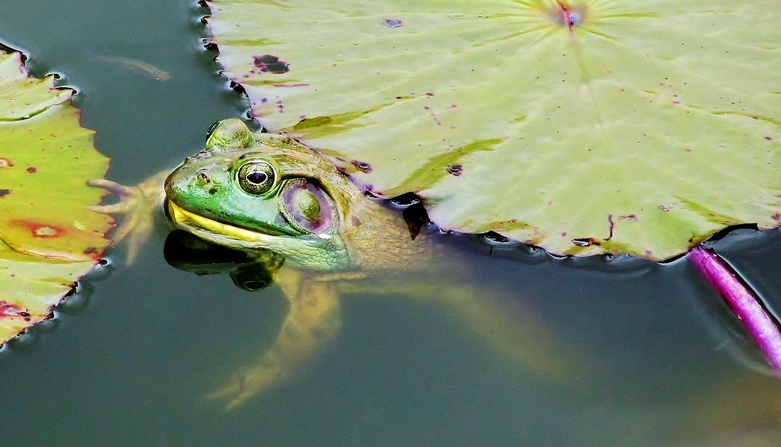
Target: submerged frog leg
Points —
{"points": [[312, 322], [514, 331], [499, 320], [138, 204]]}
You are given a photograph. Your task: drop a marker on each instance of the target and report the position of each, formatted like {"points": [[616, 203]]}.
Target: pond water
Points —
{"points": [[652, 358]]}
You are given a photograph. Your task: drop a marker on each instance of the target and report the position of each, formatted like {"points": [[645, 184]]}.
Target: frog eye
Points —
{"points": [[307, 208], [256, 177]]}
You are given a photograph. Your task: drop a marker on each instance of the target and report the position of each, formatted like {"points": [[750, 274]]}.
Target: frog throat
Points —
{"points": [[320, 252]]}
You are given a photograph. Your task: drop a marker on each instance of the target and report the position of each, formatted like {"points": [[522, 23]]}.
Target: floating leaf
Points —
{"points": [[582, 127], [49, 236]]}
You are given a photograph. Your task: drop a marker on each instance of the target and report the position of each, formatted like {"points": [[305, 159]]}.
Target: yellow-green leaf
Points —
{"points": [[48, 235], [583, 127]]}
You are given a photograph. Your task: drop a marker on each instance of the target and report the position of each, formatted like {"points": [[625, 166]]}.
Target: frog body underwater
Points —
{"points": [[256, 192]]}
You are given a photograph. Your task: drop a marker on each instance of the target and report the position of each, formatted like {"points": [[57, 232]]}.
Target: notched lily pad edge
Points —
{"points": [[496, 240], [73, 293], [75, 299]]}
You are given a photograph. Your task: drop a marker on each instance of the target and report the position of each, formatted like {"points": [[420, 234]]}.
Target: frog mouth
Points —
{"points": [[215, 231], [306, 251]]}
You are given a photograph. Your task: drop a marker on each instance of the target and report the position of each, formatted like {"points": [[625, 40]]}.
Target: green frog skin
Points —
{"points": [[264, 191], [258, 191]]}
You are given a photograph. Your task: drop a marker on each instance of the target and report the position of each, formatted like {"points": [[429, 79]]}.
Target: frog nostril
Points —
{"points": [[212, 191], [203, 177]]}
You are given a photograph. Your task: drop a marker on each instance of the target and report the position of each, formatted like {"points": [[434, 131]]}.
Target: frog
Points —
{"points": [[256, 192]]}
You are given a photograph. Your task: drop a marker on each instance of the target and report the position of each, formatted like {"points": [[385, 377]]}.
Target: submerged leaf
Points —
{"points": [[138, 66], [582, 127], [48, 235]]}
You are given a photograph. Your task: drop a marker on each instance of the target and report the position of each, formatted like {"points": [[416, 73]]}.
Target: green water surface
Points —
{"points": [[127, 362]]}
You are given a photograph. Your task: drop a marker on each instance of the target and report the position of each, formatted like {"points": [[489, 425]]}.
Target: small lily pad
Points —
{"points": [[583, 127], [48, 235]]}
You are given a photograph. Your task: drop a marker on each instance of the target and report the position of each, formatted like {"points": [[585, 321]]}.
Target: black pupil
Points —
{"points": [[257, 177]]}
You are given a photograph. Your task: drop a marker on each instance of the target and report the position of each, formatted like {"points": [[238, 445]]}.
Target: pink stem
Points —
{"points": [[742, 301]]}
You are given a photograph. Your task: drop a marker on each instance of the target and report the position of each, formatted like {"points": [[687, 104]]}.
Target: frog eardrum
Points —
{"points": [[306, 207]]}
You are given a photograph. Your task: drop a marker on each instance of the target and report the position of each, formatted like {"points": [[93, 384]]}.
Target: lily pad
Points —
{"points": [[583, 127], [48, 235]]}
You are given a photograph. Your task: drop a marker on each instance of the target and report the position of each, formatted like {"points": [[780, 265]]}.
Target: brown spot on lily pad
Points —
{"points": [[362, 166], [268, 63], [4, 192], [5, 163], [32, 170], [456, 170], [12, 310], [40, 230]]}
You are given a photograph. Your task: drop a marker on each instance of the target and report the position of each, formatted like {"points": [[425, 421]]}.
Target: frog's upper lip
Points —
{"points": [[202, 226], [239, 238]]}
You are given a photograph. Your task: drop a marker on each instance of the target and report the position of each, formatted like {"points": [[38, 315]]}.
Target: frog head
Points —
{"points": [[257, 191]]}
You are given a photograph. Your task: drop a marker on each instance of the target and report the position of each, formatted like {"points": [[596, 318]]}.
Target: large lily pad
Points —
{"points": [[48, 235], [583, 127]]}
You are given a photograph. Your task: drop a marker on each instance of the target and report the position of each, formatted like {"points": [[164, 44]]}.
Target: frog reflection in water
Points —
{"points": [[256, 192]]}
